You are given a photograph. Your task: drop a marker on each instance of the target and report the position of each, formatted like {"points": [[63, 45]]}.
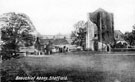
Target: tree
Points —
{"points": [[130, 37], [78, 35], [16, 31]]}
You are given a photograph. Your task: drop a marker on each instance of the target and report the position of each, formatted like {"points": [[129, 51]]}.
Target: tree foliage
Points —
{"points": [[16, 31], [79, 34], [130, 37]]}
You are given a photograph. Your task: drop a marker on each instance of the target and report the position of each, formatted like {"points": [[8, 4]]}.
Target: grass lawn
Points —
{"points": [[81, 67]]}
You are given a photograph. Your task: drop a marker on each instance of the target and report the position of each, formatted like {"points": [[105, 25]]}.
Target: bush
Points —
{"points": [[10, 69]]}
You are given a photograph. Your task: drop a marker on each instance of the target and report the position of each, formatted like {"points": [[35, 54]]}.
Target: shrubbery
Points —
{"points": [[10, 69]]}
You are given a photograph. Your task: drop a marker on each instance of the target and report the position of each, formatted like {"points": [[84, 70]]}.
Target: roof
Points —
{"points": [[54, 41], [118, 35], [60, 42], [45, 41], [118, 32]]}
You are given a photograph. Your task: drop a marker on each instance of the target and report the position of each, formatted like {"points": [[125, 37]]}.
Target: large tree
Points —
{"points": [[16, 31], [79, 34]]}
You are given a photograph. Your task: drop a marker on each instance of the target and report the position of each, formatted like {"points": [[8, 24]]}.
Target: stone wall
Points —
{"points": [[90, 35]]}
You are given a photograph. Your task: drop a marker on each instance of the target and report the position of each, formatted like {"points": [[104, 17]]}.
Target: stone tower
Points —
{"points": [[105, 25], [99, 30], [90, 34]]}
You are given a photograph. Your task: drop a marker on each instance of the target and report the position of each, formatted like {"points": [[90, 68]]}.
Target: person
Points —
{"points": [[64, 49], [49, 48], [67, 49], [108, 48], [60, 50], [45, 49]]}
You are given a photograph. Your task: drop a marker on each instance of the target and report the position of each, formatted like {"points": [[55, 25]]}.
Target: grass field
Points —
{"points": [[82, 67]]}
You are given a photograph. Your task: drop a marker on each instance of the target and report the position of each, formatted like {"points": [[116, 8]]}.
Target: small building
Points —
{"points": [[118, 35]]}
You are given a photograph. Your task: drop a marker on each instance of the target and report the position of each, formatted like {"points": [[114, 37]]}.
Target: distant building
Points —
{"points": [[58, 36], [48, 36]]}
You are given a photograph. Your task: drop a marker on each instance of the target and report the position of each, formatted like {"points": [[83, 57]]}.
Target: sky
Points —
{"points": [[51, 17]]}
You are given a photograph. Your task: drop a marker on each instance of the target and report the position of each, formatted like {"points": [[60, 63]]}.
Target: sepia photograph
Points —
{"points": [[67, 40]]}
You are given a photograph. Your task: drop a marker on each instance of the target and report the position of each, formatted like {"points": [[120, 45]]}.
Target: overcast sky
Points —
{"points": [[58, 16]]}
